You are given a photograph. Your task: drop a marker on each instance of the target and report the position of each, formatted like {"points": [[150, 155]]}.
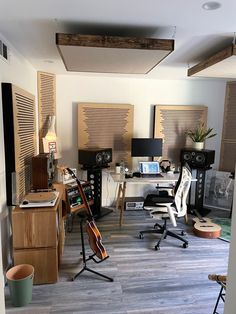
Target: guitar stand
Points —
{"points": [[91, 257]]}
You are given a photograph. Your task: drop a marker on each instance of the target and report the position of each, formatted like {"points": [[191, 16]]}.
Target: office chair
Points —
{"points": [[168, 207]]}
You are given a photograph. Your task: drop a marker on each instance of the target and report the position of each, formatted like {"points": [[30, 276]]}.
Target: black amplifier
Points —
{"points": [[74, 198], [134, 203]]}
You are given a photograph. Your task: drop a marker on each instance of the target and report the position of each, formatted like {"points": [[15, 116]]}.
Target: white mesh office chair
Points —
{"points": [[169, 207]]}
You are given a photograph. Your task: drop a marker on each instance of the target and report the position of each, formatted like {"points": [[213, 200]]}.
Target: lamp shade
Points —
{"points": [[50, 141], [146, 147]]}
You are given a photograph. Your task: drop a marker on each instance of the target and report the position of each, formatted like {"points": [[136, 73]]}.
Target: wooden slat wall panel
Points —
{"points": [[25, 138], [171, 122], [46, 102], [19, 139], [228, 141], [106, 126]]}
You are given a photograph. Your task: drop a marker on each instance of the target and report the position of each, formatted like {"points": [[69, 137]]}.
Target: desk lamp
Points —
{"points": [[50, 141]]}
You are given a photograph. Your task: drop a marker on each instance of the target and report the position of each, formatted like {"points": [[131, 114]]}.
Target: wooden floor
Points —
{"points": [[170, 281]]}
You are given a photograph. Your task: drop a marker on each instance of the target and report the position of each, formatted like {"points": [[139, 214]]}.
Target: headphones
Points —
{"points": [[165, 165]]}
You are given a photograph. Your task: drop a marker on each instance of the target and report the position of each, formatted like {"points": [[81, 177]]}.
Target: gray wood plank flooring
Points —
{"points": [[170, 281]]}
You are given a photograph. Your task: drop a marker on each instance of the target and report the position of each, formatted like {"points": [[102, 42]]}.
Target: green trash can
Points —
{"points": [[20, 282]]}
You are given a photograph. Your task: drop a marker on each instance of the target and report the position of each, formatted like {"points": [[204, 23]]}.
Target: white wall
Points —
{"points": [[143, 94], [19, 72]]}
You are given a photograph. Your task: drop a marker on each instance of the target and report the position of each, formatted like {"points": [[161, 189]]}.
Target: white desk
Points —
{"points": [[122, 181]]}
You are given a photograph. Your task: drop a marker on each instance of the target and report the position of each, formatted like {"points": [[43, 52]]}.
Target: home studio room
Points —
{"points": [[105, 193]]}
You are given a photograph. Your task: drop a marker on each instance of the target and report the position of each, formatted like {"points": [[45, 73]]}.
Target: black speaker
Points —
{"points": [[197, 159], [95, 157]]}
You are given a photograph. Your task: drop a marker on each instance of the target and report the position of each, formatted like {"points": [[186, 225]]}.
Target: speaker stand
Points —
{"points": [[103, 212], [94, 176], [199, 194]]}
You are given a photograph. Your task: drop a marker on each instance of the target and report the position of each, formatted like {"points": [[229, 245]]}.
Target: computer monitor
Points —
{"points": [[146, 147]]}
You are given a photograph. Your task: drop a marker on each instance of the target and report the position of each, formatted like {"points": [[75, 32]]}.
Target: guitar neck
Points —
{"points": [[198, 215], [82, 194]]}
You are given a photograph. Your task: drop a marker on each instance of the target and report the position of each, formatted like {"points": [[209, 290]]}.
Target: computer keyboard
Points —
{"points": [[151, 175]]}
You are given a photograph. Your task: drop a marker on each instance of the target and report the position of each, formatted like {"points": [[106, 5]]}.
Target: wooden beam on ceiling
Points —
{"points": [[220, 64], [112, 54]]}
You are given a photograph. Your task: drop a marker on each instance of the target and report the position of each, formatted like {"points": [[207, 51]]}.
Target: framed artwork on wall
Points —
{"points": [[228, 140], [219, 188], [106, 126], [170, 124]]}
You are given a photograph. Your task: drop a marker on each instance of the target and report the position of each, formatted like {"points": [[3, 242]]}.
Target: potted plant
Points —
{"points": [[199, 135]]}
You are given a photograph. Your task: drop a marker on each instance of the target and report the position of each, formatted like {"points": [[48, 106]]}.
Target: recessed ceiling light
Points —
{"points": [[213, 5]]}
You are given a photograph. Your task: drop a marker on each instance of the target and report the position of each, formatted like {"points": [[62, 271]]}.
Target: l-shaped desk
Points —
{"points": [[122, 181]]}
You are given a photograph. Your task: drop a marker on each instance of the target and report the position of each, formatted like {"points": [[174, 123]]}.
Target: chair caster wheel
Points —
{"points": [[157, 248], [185, 245], [141, 236], [183, 233]]}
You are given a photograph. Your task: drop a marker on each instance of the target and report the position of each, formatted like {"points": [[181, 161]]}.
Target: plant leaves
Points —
{"points": [[200, 134]]}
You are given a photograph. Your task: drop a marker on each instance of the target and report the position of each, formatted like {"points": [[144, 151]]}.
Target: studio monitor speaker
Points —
{"points": [[197, 159], [42, 171], [95, 157]]}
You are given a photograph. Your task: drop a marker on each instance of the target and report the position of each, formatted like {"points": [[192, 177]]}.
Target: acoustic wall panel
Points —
{"points": [[46, 103], [170, 124], [106, 126], [228, 141], [19, 139]]}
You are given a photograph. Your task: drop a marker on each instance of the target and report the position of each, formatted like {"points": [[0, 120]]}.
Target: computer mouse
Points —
{"points": [[25, 202]]}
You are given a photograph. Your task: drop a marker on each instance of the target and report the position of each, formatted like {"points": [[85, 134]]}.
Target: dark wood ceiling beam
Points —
{"points": [[114, 42], [219, 56]]}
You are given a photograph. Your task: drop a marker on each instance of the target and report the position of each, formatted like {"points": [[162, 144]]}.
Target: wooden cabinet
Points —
{"points": [[38, 239]]}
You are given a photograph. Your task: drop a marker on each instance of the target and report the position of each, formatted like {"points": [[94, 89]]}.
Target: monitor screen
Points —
{"points": [[149, 167], [146, 147]]}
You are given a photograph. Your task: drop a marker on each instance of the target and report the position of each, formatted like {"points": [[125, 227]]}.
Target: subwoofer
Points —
{"points": [[197, 159], [95, 157]]}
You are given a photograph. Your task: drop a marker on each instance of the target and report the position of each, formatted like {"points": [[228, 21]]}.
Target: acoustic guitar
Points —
{"points": [[205, 228], [95, 238]]}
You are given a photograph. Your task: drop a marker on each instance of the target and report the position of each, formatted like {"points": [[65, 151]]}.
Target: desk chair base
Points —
{"points": [[164, 233]]}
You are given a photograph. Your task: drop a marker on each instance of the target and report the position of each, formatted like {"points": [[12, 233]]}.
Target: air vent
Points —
{"points": [[3, 50]]}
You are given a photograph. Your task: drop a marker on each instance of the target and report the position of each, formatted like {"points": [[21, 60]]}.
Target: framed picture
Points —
{"points": [[171, 122], [106, 126], [219, 186]]}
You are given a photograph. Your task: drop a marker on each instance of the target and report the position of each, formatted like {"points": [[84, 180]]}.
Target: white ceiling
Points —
{"points": [[30, 26]]}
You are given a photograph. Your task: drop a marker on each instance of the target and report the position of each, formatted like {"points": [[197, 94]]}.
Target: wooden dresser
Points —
{"points": [[38, 239]]}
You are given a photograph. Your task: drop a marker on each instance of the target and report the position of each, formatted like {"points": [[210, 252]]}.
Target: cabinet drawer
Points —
{"points": [[45, 262], [34, 229]]}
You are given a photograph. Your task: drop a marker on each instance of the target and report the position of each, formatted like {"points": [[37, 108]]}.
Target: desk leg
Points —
{"points": [[186, 218], [118, 196], [122, 205]]}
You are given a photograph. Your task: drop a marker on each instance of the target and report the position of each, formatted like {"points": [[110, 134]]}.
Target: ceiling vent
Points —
{"points": [[112, 54], [3, 50]]}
